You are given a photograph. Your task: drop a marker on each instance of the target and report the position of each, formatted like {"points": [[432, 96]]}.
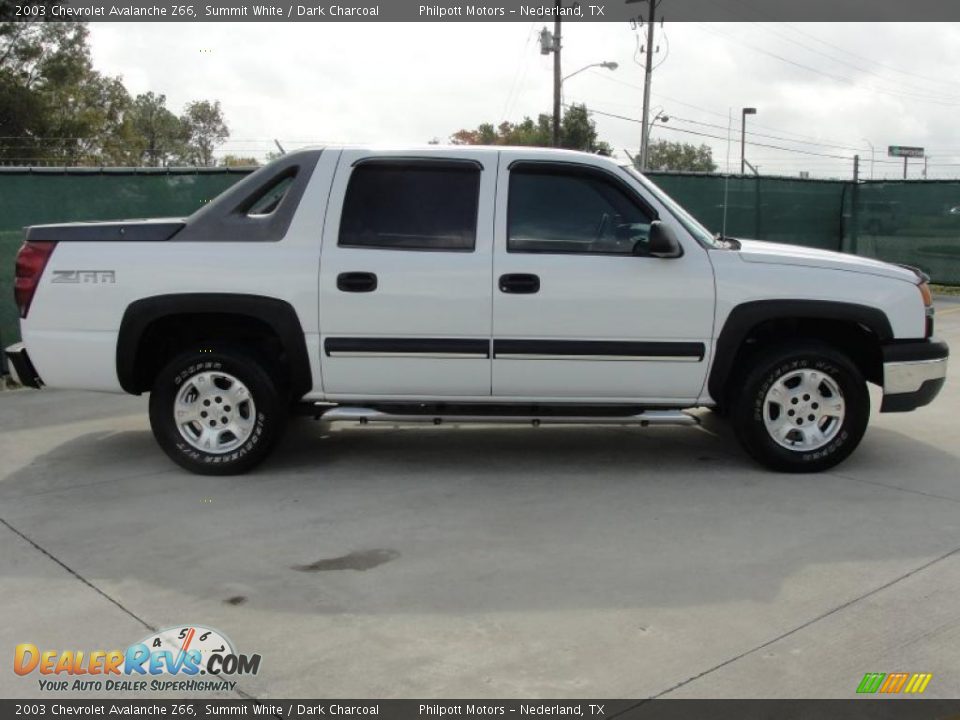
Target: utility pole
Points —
{"points": [[648, 77], [557, 76]]}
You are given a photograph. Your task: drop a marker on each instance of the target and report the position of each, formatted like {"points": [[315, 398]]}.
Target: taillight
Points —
{"points": [[927, 298], [31, 260]]}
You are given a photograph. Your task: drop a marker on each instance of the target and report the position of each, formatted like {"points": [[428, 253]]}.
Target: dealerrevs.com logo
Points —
{"points": [[171, 659]]}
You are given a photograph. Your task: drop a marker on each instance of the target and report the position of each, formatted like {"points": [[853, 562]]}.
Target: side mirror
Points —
{"points": [[663, 241]]}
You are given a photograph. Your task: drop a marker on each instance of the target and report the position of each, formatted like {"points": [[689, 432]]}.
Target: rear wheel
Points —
{"points": [[804, 407], [216, 413]]}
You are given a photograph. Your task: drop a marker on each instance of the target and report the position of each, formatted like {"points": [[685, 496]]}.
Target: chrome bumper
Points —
{"points": [[913, 374]]}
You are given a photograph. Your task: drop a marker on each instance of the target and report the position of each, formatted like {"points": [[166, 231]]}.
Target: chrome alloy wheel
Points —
{"points": [[803, 410], [214, 412]]}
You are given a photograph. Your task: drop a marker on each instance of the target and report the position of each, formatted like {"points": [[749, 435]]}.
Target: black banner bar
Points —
{"points": [[481, 11], [854, 709]]}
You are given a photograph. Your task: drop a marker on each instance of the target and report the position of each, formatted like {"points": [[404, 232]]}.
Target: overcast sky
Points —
{"points": [[826, 89]]}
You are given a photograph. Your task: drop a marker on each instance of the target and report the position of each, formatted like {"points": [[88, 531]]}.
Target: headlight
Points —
{"points": [[926, 294]]}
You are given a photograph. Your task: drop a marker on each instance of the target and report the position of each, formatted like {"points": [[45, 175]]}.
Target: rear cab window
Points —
{"points": [[412, 205]]}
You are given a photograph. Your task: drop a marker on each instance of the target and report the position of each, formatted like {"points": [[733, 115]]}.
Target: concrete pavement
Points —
{"points": [[490, 561]]}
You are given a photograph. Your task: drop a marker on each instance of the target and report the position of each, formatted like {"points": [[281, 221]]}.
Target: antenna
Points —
{"points": [[726, 180], [279, 147]]}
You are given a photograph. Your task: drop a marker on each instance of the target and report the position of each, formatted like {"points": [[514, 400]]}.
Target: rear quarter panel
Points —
{"points": [[71, 330]]}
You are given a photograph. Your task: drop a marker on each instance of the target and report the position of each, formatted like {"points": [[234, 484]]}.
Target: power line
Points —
{"points": [[891, 68], [661, 96], [858, 68], [839, 78], [716, 137]]}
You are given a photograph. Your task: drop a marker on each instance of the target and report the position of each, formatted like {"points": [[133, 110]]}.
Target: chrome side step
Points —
{"points": [[364, 415]]}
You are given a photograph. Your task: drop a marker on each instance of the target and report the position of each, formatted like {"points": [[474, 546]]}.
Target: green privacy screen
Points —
{"points": [[913, 222], [801, 212]]}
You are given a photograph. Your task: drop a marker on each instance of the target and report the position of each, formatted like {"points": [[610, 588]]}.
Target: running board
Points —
{"points": [[643, 419]]}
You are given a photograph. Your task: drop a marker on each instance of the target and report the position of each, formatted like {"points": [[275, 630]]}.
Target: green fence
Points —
{"points": [[914, 222], [801, 212]]}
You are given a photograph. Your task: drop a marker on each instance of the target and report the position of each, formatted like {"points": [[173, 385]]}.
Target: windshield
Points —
{"points": [[688, 221]]}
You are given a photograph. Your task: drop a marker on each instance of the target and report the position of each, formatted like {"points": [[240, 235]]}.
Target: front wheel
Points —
{"points": [[216, 413], [804, 407]]}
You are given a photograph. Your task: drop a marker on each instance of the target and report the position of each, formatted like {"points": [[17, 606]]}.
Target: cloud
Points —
{"points": [[827, 88]]}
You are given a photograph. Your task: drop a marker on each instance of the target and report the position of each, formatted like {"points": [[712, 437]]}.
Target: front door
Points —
{"points": [[580, 311], [405, 298]]}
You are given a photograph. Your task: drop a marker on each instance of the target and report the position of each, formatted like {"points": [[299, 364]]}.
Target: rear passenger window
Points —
{"points": [[411, 207]]}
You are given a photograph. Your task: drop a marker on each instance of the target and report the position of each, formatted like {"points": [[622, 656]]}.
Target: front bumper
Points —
{"points": [[913, 373], [21, 368]]}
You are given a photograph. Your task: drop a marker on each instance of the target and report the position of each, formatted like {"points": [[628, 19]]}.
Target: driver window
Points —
{"points": [[566, 211]]}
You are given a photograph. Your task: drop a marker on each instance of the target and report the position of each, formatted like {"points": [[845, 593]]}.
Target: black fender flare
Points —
{"points": [[278, 314], [747, 316]]}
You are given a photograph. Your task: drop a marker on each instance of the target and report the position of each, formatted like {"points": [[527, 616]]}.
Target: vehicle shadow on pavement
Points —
{"points": [[485, 519]]}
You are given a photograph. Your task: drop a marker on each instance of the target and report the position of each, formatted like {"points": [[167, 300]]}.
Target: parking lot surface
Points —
{"points": [[490, 561]]}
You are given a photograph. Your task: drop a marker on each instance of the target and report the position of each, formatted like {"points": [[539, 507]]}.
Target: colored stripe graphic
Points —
{"points": [[918, 683], [893, 683], [871, 682]]}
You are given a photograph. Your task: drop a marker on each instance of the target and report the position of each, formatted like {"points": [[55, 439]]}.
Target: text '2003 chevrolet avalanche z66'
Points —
{"points": [[506, 285]]}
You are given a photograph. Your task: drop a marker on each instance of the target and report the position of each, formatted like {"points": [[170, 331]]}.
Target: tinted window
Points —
{"points": [[411, 207], [269, 198], [573, 212]]}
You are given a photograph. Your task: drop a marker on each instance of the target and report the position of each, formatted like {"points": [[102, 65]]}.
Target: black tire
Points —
{"points": [[765, 369], [268, 418]]}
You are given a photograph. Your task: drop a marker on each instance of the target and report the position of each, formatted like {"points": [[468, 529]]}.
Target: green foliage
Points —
{"points": [[577, 132], [205, 128], [155, 136], [56, 109], [238, 161], [680, 157]]}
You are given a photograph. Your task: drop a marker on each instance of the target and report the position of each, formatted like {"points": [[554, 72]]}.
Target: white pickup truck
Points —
{"points": [[466, 284]]}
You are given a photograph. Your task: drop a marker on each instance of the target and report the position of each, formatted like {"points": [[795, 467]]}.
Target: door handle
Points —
{"points": [[520, 283], [358, 282]]}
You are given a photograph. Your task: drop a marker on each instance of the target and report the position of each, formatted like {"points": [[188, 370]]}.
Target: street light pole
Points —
{"points": [[658, 115], [607, 65], [743, 137]]}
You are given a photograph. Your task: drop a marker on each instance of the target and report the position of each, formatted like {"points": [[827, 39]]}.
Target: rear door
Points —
{"points": [[405, 275]]}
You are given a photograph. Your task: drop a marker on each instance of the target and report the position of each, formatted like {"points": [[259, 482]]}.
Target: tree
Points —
{"points": [[56, 108], [156, 136], [55, 105], [577, 132], [238, 161], [680, 157], [205, 129]]}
